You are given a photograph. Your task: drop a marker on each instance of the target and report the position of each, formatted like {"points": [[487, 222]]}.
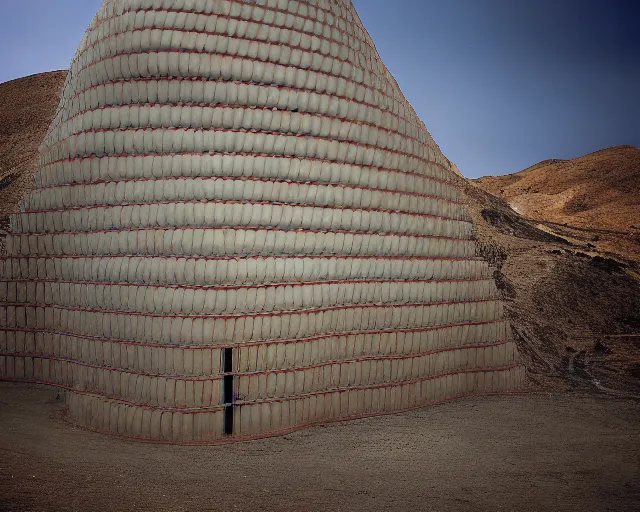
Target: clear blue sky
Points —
{"points": [[501, 84]]}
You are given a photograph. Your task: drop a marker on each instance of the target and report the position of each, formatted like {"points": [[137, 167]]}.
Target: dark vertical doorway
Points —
{"points": [[227, 390]]}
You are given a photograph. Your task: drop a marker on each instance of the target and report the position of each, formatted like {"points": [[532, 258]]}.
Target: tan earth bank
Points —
{"points": [[27, 107], [570, 279], [569, 262], [592, 199]]}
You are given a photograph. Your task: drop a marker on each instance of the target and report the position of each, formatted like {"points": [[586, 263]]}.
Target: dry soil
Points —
{"points": [[535, 452]]}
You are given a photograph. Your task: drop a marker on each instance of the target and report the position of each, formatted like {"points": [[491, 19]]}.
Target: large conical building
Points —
{"points": [[241, 227]]}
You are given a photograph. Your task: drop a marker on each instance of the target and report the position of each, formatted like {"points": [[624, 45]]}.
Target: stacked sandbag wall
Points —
{"points": [[241, 227]]}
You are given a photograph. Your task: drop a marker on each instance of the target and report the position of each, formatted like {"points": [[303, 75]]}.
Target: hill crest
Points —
{"points": [[598, 191]]}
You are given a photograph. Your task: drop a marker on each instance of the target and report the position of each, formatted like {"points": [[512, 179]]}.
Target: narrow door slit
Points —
{"points": [[227, 390]]}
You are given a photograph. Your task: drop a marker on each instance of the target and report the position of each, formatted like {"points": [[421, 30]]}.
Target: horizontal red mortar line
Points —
{"points": [[350, 35], [418, 128], [217, 131], [251, 154], [94, 394], [486, 369], [373, 358], [281, 432], [251, 315], [247, 228], [218, 408], [283, 312], [276, 63], [169, 78], [286, 431], [247, 203], [249, 286], [240, 258], [218, 376], [248, 344], [213, 106], [140, 105], [318, 184], [112, 369], [77, 68]]}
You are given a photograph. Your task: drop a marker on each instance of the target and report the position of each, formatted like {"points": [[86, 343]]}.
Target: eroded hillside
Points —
{"points": [[27, 106], [594, 199], [574, 312]]}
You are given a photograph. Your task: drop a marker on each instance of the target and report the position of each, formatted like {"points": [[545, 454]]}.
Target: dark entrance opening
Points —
{"points": [[227, 390]]}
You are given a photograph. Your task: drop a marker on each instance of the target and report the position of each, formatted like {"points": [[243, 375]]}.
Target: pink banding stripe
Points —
{"points": [[250, 202], [195, 378], [365, 39], [249, 257], [249, 179], [208, 409], [230, 57], [350, 79], [265, 155], [294, 284], [236, 107], [289, 430], [244, 344], [349, 35], [114, 369], [236, 228], [215, 131], [256, 314], [169, 78]]}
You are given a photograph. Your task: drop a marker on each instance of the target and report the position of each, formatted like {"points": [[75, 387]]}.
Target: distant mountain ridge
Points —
{"points": [[600, 190]]}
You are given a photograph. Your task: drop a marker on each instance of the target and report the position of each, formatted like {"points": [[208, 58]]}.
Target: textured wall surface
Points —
{"points": [[241, 227]]}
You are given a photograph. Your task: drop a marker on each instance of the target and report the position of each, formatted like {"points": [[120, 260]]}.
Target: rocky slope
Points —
{"points": [[575, 309], [27, 106], [594, 199]]}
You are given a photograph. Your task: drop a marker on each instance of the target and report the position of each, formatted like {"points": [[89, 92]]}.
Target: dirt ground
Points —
{"points": [[526, 452]]}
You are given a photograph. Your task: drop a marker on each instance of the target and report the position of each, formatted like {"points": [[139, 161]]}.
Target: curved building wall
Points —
{"points": [[241, 227]]}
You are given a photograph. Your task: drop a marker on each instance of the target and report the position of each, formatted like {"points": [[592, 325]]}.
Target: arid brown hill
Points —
{"points": [[27, 106], [594, 198], [564, 237], [575, 311]]}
